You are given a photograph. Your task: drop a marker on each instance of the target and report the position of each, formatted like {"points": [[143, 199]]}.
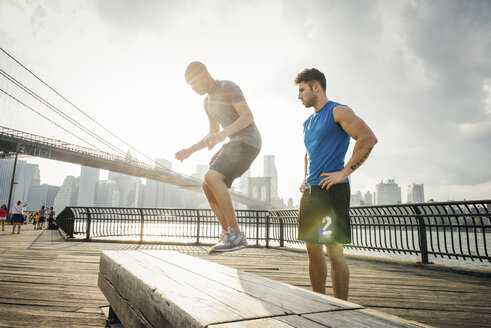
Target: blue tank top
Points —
{"points": [[326, 143]]}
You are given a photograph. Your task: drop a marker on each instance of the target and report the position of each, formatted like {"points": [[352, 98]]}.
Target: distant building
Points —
{"points": [[26, 176], [107, 194], [200, 171], [42, 195], [290, 203], [357, 199], [86, 191], [269, 170], [368, 198], [68, 194], [163, 195], [415, 193], [387, 193], [158, 194], [128, 189]]}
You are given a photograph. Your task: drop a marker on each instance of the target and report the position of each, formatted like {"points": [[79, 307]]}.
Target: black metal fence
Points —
{"points": [[448, 229]]}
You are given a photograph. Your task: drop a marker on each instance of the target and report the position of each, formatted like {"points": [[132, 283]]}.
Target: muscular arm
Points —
{"points": [[245, 119], [303, 185], [365, 141], [185, 153]]}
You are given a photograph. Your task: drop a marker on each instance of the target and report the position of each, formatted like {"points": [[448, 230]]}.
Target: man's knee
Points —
{"points": [[335, 252], [212, 177], [314, 250]]}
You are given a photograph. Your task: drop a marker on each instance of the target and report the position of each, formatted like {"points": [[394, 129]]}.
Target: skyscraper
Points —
{"points": [[42, 195], [68, 194], [26, 176], [415, 193], [368, 198], [269, 170], [107, 194], [357, 199], [387, 193], [157, 194], [86, 191], [128, 189]]}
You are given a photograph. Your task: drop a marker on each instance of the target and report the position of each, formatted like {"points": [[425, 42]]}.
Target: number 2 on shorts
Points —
{"points": [[326, 224]]}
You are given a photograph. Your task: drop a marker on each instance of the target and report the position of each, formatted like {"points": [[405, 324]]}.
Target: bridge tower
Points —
{"points": [[260, 189]]}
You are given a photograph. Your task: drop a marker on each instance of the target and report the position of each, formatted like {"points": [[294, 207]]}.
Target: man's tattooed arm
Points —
{"points": [[363, 159]]}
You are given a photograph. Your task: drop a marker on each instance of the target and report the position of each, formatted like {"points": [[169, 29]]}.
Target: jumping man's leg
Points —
{"points": [[317, 267], [214, 180], [339, 271], [214, 206]]}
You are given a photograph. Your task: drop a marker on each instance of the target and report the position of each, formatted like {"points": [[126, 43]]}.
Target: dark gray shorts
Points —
{"points": [[18, 218], [323, 217], [233, 159]]}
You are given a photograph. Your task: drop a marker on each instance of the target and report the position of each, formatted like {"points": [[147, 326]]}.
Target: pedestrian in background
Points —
{"points": [[51, 217], [3, 215], [42, 218], [18, 218]]}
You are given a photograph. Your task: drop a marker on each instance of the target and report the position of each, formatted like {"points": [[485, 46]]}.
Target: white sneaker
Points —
{"points": [[222, 236], [232, 242]]}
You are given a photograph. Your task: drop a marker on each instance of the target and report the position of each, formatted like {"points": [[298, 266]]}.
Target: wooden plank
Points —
{"points": [[292, 300], [360, 318], [128, 314], [289, 321]]}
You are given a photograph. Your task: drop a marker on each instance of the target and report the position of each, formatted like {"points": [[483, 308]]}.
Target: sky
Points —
{"points": [[417, 72]]}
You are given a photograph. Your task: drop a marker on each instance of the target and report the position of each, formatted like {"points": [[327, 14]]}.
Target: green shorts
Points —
{"points": [[323, 217]]}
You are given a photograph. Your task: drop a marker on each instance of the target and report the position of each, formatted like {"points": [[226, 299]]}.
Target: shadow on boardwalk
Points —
{"points": [[47, 282]]}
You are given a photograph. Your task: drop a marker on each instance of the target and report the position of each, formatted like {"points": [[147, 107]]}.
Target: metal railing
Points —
{"points": [[449, 229]]}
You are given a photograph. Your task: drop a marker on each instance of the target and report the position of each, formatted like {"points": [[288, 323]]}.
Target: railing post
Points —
{"points": [[267, 229], [423, 242], [71, 226], [257, 227], [87, 228], [198, 220], [282, 238], [142, 224]]}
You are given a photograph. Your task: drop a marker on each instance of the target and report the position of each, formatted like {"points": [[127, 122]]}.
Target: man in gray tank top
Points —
{"points": [[227, 108]]}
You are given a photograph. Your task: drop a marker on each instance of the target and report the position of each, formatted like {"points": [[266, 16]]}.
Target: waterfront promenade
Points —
{"points": [[48, 282]]}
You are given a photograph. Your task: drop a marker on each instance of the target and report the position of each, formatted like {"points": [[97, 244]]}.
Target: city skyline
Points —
{"points": [[418, 72], [90, 189]]}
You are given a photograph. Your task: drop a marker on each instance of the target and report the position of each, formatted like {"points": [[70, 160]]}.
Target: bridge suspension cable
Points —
{"points": [[58, 111], [79, 109], [35, 111]]}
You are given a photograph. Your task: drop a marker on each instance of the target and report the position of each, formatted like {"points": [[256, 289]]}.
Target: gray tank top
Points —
{"points": [[219, 106]]}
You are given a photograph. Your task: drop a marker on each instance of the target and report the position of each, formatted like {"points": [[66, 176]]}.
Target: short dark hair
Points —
{"points": [[311, 75], [194, 69]]}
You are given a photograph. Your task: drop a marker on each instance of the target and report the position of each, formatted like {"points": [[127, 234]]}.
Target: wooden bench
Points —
{"points": [[169, 289]]}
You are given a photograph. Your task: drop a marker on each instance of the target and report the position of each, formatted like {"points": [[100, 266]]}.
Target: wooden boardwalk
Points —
{"points": [[48, 282]]}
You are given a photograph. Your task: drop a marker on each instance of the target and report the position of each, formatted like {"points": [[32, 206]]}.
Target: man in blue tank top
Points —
{"points": [[324, 207]]}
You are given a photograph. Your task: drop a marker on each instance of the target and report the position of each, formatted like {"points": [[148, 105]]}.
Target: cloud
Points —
{"points": [[418, 73], [134, 16]]}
